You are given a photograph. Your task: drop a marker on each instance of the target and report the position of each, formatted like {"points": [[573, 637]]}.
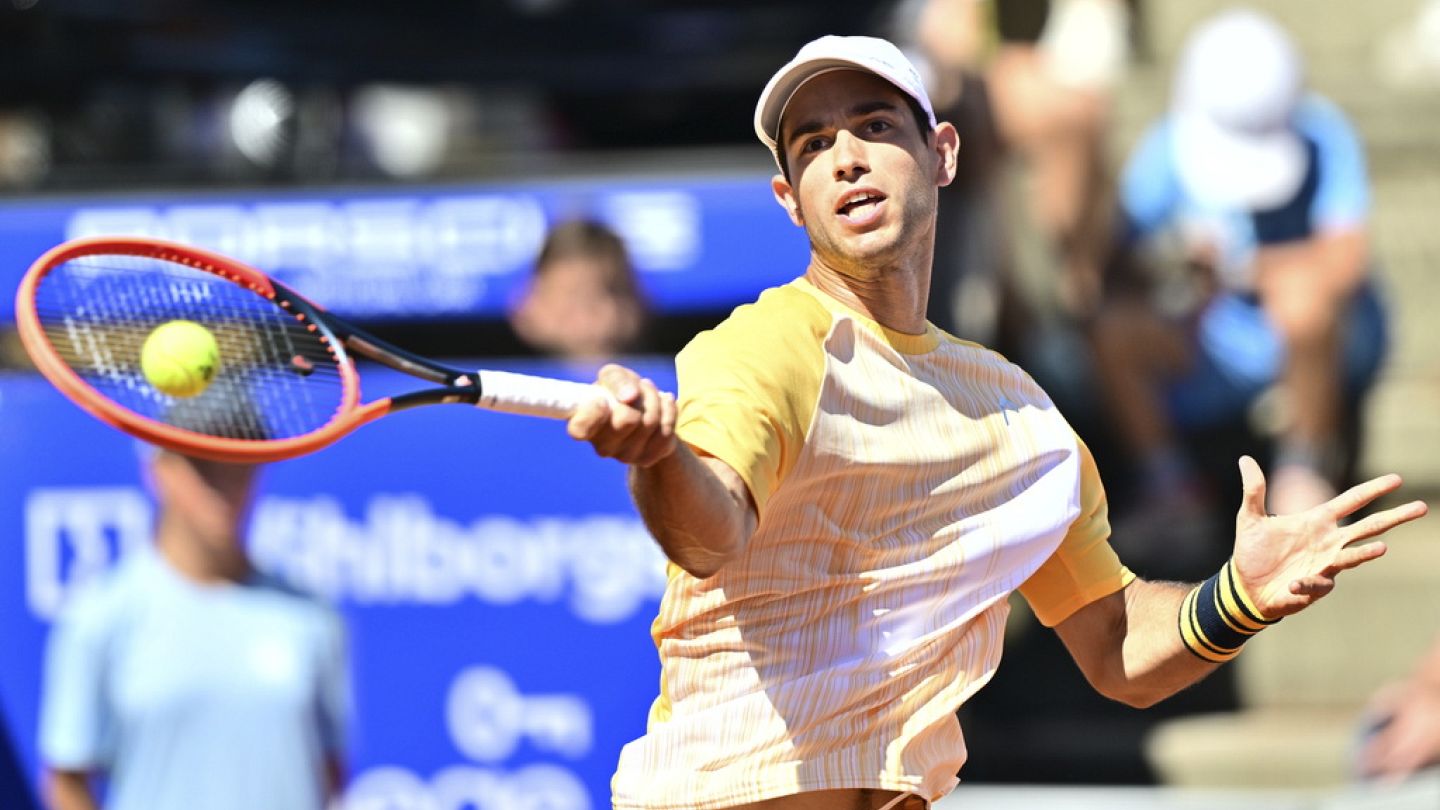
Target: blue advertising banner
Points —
{"points": [[495, 580], [698, 243]]}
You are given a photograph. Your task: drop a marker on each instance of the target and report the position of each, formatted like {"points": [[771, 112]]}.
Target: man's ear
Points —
{"points": [[947, 148], [785, 195]]}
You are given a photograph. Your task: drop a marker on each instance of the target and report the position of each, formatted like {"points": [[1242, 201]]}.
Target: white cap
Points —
{"points": [[1236, 89], [830, 53]]}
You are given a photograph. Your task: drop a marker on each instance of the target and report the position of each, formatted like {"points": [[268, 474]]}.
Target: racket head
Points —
{"points": [[285, 385]]}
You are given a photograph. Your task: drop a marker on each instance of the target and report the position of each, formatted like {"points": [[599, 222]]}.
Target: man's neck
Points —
{"points": [[895, 299]]}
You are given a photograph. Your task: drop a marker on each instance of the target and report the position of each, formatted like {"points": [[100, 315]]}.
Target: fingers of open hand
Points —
{"points": [[1356, 497], [1252, 485], [1313, 587], [1320, 583], [1381, 522], [1355, 556]]}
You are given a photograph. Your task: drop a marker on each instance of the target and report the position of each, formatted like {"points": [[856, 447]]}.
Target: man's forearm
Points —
{"points": [[697, 509], [1129, 647], [1156, 662]]}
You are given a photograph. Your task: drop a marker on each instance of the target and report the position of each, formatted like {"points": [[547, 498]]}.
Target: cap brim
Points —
{"points": [[1222, 168], [782, 87]]}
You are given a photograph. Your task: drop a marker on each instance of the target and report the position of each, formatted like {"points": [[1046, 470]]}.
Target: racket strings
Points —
{"points": [[277, 378]]}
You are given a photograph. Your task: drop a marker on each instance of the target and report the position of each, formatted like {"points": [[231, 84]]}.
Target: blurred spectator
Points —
{"points": [[1264, 187], [189, 680], [583, 301], [1041, 93], [1406, 736]]}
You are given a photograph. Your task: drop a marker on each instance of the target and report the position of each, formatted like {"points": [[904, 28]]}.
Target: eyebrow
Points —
{"points": [[860, 110]]}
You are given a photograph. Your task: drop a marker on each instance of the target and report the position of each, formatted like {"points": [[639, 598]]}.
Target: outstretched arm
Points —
{"points": [[696, 506], [1149, 641]]}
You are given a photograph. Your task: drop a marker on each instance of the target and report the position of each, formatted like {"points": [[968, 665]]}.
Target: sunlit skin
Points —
{"points": [[864, 185]]}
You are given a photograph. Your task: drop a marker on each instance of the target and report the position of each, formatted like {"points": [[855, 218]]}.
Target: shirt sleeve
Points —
{"points": [[1084, 567], [748, 388], [76, 719], [1149, 184], [1342, 201]]}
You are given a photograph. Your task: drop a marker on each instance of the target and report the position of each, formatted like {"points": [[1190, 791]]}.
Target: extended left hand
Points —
{"points": [[1287, 562]]}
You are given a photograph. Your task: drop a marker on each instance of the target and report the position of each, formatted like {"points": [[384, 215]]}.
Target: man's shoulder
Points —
{"points": [[997, 366], [785, 306], [779, 314], [955, 343]]}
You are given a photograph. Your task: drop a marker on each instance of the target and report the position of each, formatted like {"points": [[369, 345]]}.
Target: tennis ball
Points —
{"points": [[180, 358]]}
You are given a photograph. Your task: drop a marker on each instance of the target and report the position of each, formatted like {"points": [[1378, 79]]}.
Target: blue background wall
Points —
{"points": [[497, 583]]}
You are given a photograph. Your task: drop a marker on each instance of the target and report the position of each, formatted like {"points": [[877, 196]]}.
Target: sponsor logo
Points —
{"points": [[74, 535], [403, 255], [604, 567], [488, 718]]}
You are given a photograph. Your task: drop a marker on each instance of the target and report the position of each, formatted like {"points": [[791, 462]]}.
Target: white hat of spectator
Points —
{"points": [[1236, 89], [830, 53]]}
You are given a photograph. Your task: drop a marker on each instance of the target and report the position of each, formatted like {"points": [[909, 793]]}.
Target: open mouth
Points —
{"points": [[858, 204]]}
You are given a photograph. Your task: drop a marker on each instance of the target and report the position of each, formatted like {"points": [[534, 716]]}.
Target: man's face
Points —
{"points": [[863, 177]]}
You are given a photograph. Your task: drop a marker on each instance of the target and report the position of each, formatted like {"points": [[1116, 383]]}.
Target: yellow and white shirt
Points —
{"points": [[906, 485]]}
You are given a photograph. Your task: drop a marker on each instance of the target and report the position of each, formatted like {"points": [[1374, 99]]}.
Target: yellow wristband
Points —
{"points": [[1217, 617]]}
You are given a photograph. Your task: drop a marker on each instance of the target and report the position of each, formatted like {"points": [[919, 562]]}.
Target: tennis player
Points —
{"points": [[849, 496]]}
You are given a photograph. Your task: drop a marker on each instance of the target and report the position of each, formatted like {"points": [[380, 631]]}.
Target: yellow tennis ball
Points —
{"points": [[180, 358]]}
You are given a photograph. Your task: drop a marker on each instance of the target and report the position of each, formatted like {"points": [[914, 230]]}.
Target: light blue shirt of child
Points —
{"points": [[189, 696]]}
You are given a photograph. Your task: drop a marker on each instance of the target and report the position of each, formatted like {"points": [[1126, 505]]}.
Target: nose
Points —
{"points": [[849, 155]]}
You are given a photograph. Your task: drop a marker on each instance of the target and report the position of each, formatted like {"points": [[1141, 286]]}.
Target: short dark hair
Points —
{"points": [[584, 238], [922, 123]]}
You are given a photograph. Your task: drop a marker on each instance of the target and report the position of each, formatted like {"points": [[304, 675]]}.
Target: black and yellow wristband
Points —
{"points": [[1218, 617]]}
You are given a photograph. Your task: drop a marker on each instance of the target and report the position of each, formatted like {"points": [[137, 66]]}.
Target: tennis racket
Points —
{"points": [[286, 383]]}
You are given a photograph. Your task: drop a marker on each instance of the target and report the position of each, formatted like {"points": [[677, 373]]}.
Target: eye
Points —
{"points": [[875, 126], [814, 144]]}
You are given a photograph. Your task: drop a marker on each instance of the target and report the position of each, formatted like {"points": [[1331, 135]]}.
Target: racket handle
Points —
{"points": [[508, 392]]}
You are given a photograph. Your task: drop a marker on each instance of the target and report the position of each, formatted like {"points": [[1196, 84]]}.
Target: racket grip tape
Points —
{"points": [[526, 394]]}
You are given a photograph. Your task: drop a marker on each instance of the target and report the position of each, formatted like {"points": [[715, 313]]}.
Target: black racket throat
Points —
{"points": [[459, 386], [456, 395]]}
